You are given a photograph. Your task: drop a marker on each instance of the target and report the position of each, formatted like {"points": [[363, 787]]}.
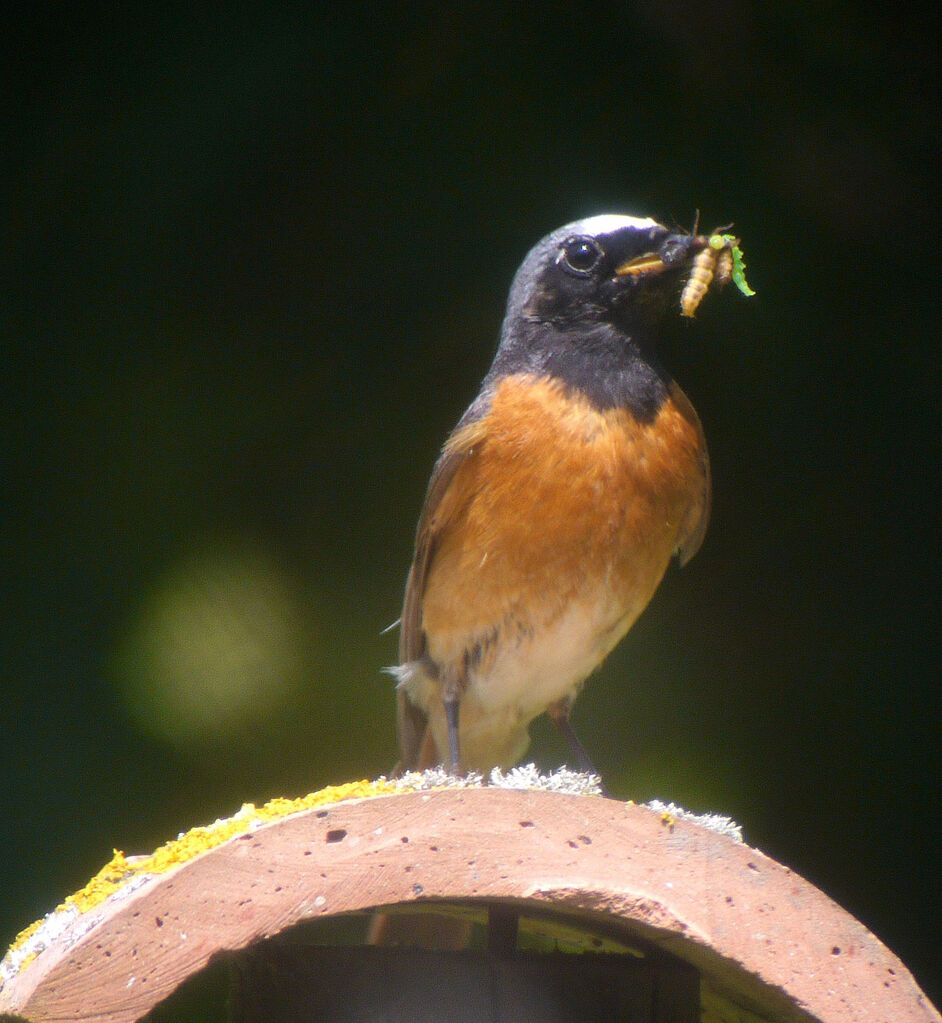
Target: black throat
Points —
{"points": [[599, 361]]}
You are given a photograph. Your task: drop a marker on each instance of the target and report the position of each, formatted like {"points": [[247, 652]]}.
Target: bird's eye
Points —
{"points": [[580, 255]]}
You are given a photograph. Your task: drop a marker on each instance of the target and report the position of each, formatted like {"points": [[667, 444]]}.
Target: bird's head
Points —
{"points": [[611, 269]]}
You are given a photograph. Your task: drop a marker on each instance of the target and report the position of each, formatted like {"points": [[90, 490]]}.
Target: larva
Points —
{"points": [[719, 261], [724, 266], [698, 283]]}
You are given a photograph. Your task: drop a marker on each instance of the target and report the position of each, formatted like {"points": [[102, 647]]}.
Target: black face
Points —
{"points": [[585, 306], [579, 276]]}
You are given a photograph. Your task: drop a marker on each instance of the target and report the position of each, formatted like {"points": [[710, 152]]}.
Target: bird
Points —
{"points": [[558, 501]]}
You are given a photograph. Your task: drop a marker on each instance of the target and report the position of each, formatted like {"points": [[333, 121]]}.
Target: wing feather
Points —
{"points": [[698, 515], [411, 720]]}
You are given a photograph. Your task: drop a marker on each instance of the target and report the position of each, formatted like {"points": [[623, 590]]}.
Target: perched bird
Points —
{"points": [[557, 502]]}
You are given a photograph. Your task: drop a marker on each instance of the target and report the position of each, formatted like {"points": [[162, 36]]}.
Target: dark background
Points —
{"points": [[253, 267]]}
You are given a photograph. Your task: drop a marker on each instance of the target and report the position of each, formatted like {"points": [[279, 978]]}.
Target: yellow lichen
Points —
{"points": [[111, 876], [28, 959], [26, 933], [201, 839], [119, 870], [280, 807]]}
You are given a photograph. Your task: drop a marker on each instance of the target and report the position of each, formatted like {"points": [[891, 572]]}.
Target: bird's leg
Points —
{"points": [[452, 701], [559, 714]]}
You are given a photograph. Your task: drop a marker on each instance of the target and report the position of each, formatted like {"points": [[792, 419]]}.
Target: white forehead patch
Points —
{"points": [[606, 223]]}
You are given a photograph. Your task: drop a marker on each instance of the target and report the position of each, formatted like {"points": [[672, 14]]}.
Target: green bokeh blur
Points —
{"points": [[253, 268]]}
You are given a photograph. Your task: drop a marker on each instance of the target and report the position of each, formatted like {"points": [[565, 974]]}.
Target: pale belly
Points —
{"points": [[523, 673]]}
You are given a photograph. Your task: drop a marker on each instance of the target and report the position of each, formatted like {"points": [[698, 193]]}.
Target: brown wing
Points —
{"points": [[698, 515], [411, 721]]}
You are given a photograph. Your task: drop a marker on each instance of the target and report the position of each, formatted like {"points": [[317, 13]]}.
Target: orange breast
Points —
{"points": [[557, 500]]}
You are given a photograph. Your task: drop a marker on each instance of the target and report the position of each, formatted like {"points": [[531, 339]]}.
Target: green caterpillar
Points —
{"points": [[738, 270]]}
